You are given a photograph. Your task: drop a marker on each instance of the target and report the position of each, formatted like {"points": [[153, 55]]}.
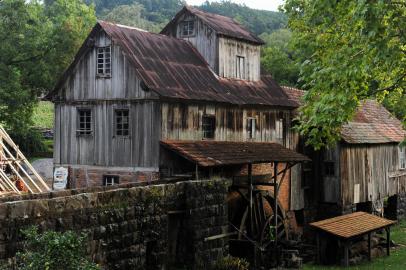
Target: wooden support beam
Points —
{"points": [[318, 247], [275, 221], [388, 241], [346, 253], [369, 247]]}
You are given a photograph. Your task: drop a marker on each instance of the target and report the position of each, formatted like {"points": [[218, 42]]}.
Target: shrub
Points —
{"points": [[231, 263], [30, 141], [53, 251]]}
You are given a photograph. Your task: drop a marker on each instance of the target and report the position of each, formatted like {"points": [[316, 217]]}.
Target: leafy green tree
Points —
{"points": [[349, 51], [131, 16], [278, 57], [53, 251], [38, 41]]}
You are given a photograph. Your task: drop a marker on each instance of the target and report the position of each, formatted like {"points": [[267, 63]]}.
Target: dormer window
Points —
{"points": [[240, 67], [104, 61], [188, 28]]}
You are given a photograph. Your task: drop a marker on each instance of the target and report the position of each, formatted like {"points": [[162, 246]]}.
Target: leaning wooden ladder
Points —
{"points": [[15, 167]]}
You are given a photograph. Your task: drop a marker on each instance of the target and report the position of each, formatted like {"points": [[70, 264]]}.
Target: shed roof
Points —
{"points": [[218, 153], [351, 225], [174, 69], [223, 25], [372, 122]]}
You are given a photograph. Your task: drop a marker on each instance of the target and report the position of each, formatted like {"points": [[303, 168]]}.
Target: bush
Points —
{"points": [[231, 263], [30, 141], [53, 251]]}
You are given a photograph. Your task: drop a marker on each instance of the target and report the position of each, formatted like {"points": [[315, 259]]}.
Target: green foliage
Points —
{"points": [[39, 40], [231, 263], [278, 57], [131, 16], [53, 251], [43, 115], [30, 141], [258, 21], [349, 51]]}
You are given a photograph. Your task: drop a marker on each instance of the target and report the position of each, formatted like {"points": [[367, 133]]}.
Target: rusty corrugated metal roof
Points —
{"points": [[223, 25], [174, 69], [218, 153], [372, 122], [351, 225]]}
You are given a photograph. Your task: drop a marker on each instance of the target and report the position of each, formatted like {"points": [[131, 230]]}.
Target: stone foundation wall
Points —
{"points": [[131, 227], [91, 177], [401, 206]]}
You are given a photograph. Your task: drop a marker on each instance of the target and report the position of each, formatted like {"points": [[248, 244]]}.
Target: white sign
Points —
{"points": [[60, 178]]}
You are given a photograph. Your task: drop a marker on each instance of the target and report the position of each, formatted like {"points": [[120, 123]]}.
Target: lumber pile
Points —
{"points": [[16, 174]]}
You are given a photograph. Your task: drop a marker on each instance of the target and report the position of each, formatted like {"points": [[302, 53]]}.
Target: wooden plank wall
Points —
{"points": [[204, 40], [228, 51], [103, 148], [331, 183], [184, 121], [123, 83], [372, 167]]}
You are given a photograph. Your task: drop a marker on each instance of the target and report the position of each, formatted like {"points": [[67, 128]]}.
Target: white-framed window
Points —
{"points": [[402, 157], [84, 121], [251, 126], [110, 180], [187, 28], [104, 61], [240, 67], [122, 117], [279, 129]]}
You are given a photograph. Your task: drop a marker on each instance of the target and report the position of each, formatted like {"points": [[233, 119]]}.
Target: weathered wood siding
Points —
{"points": [[103, 148], [229, 49], [184, 122], [331, 183], [84, 84], [371, 169], [204, 40]]}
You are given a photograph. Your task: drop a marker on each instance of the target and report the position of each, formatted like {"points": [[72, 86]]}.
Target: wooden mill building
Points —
{"points": [[364, 169]]}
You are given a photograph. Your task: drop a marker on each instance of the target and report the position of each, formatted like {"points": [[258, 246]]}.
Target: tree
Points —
{"points": [[349, 51], [278, 57], [52, 250], [131, 16], [38, 41]]}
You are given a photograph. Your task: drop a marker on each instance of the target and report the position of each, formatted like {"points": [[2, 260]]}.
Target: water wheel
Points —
{"points": [[256, 223]]}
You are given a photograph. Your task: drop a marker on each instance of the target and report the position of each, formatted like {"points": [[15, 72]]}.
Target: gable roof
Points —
{"points": [[174, 69], [223, 25], [372, 122]]}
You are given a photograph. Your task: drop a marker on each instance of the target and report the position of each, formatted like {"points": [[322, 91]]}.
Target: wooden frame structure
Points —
{"points": [[15, 167], [348, 227]]}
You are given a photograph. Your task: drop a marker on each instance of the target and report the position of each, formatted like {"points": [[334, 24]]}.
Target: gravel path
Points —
{"points": [[44, 167]]}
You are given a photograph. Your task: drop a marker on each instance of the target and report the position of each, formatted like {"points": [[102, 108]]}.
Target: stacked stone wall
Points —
{"points": [[127, 227]]}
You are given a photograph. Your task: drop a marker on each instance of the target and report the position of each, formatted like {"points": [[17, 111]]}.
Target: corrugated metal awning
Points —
{"points": [[351, 225], [218, 153]]}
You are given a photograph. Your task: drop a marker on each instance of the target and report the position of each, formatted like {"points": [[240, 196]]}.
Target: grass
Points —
{"points": [[396, 260], [43, 116]]}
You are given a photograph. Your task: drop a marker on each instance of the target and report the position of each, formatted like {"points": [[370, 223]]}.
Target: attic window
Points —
{"points": [[188, 28], [402, 157], [240, 67], [104, 61]]}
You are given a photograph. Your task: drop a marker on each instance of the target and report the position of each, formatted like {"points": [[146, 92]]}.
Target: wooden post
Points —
{"points": [[387, 241], [197, 172], [275, 192], [250, 188], [318, 247], [346, 254], [369, 246]]}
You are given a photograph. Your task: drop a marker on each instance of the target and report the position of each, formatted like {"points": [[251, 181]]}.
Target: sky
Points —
{"points": [[257, 4]]}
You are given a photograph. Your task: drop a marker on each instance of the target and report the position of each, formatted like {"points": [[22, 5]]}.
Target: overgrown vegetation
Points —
{"points": [[43, 115], [231, 263], [53, 251]]}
